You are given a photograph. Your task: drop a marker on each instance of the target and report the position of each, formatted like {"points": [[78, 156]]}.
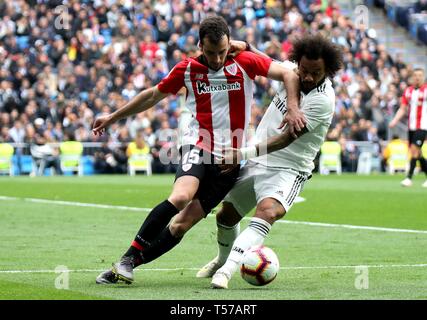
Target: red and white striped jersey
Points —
{"points": [[220, 101], [416, 100]]}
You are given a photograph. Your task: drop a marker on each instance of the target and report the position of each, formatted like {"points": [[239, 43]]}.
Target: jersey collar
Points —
{"points": [[202, 60], [320, 83]]}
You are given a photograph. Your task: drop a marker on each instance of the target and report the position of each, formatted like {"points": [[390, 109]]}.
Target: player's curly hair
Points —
{"points": [[317, 46], [213, 27]]}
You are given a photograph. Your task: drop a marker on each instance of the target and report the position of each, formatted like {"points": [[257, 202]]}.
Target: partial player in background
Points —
{"points": [[271, 182], [414, 101]]}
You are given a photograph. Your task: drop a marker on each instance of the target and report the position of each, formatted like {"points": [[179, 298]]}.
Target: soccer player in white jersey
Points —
{"points": [[219, 96], [278, 166], [414, 100]]}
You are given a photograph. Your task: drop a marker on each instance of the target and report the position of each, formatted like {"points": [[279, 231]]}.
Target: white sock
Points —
{"points": [[225, 237], [253, 235]]}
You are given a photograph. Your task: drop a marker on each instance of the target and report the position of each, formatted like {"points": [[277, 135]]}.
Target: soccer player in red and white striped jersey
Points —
{"points": [[414, 102], [219, 95], [220, 100]]}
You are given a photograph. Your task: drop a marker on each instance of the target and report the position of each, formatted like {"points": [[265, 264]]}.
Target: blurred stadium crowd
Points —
{"points": [[59, 67]]}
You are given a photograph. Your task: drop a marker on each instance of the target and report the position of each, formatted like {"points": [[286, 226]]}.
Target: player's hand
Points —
{"points": [[100, 124], [227, 168], [392, 124], [229, 160], [295, 120], [231, 156], [236, 47]]}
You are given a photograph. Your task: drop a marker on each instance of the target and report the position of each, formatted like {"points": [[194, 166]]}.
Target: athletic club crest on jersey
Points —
{"points": [[231, 69]]}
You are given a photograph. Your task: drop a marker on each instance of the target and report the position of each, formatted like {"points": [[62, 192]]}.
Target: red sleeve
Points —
{"points": [[175, 79], [404, 100], [253, 64]]}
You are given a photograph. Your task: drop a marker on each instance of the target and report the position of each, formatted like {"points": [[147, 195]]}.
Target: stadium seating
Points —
{"points": [[39, 154], [405, 14], [23, 164], [330, 157], [139, 163], [71, 157], [417, 23], [139, 157], [422, 32], [88, 165], [364, 163], [6, 154], [397, 156]]}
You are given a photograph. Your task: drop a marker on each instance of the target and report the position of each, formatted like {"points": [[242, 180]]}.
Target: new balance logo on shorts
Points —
{"points": [[280, 193], [239, 250]]}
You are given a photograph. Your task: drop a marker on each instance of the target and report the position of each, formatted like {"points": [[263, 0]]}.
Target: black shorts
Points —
{"points": [[417, 137], [214, 185]]}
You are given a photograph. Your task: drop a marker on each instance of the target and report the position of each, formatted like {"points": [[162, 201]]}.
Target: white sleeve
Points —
{"points": [[278, 85], [318, 109], [289, 65]]}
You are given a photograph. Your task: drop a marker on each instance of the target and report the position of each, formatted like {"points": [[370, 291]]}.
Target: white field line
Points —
{"points": [[380, 266], [349, 226], [104, 206], [75, 204]]}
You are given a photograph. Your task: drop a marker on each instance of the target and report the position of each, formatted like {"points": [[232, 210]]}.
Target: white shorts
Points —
{"points": [[257, 182]]}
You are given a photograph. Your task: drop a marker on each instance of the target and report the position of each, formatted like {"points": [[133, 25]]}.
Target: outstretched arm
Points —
{"points": [[278, 142], [141, 102], [272, 144], [294, 117], [399, 115], [255, 50], [237, 46]]}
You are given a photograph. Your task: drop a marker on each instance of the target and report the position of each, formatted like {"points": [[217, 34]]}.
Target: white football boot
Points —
{"points": [[220, 280], [209, 269], [406, 182]]}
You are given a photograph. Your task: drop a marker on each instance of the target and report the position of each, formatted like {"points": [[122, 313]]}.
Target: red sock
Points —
{"points": [[136, 245]]}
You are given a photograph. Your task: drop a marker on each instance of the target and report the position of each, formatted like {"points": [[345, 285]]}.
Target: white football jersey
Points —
{"points": [[318, 107]]}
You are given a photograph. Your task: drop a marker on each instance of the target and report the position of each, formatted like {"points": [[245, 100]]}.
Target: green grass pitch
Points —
{"points": [[318, 261]]}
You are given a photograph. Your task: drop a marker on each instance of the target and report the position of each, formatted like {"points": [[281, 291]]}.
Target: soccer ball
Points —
{"points": [[259, 265]]}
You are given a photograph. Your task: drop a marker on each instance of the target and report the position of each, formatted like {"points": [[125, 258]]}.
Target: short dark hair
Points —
{"points": [[214, 27], [419, 69], [316, 46]]}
